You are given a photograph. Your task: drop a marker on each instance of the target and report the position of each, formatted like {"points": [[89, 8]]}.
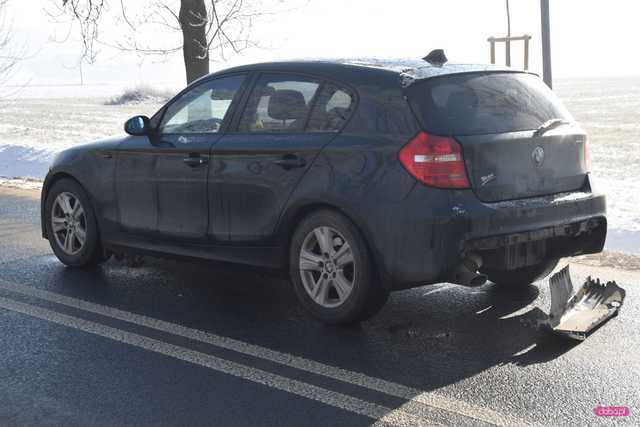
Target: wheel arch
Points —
{"points": [[292, 220], [51, 179]]}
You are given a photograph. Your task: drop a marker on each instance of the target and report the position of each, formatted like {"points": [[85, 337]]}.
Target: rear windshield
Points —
{"points": [[475, 104]]}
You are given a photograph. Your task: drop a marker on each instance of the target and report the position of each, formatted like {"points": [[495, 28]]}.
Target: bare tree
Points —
{"points": [[210, 28], [9, 57]]}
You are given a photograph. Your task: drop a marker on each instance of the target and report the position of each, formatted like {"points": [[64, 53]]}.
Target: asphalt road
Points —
{"points": [[176, 343]]}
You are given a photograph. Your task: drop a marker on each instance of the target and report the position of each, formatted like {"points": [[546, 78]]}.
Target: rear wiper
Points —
{"points": [[548, 125]]}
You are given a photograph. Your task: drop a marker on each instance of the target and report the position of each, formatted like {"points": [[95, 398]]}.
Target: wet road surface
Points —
{"points": [[189, 343]]}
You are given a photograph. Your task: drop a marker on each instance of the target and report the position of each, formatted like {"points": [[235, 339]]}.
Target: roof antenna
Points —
{"points": [[436, 57]]}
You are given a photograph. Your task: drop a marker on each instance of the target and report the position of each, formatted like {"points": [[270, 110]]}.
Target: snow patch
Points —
{"points": [[33, 131], [24, 161], [21, 183]]}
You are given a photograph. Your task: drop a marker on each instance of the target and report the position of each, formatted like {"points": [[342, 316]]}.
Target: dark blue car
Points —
{"points": [[357, 179]]}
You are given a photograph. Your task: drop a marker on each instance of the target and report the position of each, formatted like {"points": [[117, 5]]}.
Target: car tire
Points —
{"points": [[71, 225], [332, 272], [522, 277]]}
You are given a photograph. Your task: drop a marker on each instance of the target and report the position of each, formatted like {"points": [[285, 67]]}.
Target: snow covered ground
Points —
{"points": [[45, 121], [609, 110], [33, 130]]}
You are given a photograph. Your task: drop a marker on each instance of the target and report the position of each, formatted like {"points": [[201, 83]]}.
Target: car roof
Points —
{"points": [[350, 69]]}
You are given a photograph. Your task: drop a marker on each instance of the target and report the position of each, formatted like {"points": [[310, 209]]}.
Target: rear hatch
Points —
{"points": [[517, 138]]}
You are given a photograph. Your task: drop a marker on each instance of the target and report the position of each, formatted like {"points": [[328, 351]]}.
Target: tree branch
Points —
{"points": [[227, 24]]}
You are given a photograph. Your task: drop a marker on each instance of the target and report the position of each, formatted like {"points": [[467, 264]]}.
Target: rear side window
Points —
{"points": [[332, 110], [279, 103], [475, 104]]}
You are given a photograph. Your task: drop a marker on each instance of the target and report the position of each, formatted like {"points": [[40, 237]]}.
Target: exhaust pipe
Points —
{"points": [[466, 274]]}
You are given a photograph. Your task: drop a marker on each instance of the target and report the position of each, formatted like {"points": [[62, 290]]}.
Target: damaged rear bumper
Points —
{"points": [[505, 235], [529, 231], [511, 251]]}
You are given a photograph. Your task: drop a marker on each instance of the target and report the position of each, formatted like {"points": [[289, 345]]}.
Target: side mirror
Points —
{"points": [[137, 126]]}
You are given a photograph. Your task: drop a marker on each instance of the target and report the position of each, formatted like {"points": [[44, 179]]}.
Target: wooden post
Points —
{"points": [[526, 53], [492, 42], [507, 41]]}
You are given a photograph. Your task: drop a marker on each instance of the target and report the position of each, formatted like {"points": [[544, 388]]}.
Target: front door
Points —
{"points": [[173, 200]]}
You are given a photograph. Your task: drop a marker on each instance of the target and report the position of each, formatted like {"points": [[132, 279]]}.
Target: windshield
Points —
{"points": [[485, 103]]}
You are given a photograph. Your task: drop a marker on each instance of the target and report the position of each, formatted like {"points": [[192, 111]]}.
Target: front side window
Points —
{"points": [[202, 109], [279, 103]]}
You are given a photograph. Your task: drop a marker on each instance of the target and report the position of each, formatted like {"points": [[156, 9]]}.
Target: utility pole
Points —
{"points": [[546, 43]]}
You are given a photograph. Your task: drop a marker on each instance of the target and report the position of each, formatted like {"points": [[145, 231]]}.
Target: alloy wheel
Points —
{"points": [[327, 267], [69, 223]]}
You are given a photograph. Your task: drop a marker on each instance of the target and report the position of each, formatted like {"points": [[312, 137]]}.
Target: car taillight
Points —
{"points": [[435, 160]]}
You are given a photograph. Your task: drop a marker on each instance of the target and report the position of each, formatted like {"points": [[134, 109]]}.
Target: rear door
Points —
{"points": [[495, 116], [257, 166]]}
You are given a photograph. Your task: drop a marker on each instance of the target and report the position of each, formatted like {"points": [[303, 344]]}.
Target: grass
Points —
{"points": [[141, 95]]}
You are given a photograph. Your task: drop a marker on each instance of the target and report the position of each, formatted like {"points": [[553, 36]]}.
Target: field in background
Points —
{"points": [[609, 110], [34, 128]]}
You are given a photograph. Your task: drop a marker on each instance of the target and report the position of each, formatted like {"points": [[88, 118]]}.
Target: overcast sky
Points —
{"points": [[589, 37]]}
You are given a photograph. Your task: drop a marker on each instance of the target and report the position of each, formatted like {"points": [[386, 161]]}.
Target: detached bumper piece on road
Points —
{"points": [[575, 315]]}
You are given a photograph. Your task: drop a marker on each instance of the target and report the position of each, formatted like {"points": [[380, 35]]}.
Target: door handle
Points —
{"points": [[194, 161], [291, 161]]}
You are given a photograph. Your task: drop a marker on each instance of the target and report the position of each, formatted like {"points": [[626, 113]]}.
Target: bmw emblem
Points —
{"points": [[537, 155]]}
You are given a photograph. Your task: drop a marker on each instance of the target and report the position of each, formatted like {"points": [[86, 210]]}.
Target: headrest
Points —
{"points": [[287, 104]]}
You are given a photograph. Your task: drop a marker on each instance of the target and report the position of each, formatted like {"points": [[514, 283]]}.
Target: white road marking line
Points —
{"points": [[309, 391], [484, 309], [412, 395]]}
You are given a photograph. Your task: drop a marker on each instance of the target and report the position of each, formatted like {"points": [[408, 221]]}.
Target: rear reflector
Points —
{"points": [[435, 160]]}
